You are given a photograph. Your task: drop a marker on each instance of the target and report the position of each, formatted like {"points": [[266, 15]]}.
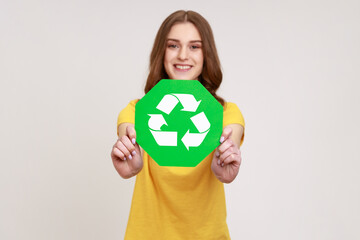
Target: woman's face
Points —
{"points": [[183, 55]]}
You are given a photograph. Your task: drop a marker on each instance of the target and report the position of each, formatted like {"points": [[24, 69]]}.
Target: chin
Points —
{"points": [[183, 78], [187, 79]]}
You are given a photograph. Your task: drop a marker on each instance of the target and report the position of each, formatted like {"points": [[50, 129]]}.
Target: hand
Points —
{"points": [[126, 154], [227, 158]]}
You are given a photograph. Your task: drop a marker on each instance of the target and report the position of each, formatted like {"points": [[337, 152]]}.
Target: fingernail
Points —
{"points": [[133, 153], [133, 140], [222, 164], [124, 158], [219, 162], [130, 157], [221, 139], [217, 154]]}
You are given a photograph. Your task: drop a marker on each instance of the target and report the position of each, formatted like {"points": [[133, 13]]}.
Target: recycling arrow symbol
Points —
{"points": [[169, 138], [178, 123]]}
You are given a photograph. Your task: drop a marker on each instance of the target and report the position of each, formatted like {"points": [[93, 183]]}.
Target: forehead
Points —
{"points": [[184, 32]]}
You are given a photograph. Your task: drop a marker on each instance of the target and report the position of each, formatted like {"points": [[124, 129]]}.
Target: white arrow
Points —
{"points": [[167, 103], [165, 138], [201, 122], [193, 139], [188, 101], [156, 121]]}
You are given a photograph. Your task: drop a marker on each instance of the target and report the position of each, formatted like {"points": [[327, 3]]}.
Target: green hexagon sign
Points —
{"points": [[178, 123]]}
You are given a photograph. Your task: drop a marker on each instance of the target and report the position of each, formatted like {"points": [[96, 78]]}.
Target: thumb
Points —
{"points": [[226, 134], [131, 133]]}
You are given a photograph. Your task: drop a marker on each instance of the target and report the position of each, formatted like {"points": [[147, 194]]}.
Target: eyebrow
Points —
{"points": [[176, 40]]}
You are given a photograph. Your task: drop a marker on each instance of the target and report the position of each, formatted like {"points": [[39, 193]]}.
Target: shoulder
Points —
{"points": [[128, 113], [232, 114], [234, 118], [230, 106], [132, 103]]}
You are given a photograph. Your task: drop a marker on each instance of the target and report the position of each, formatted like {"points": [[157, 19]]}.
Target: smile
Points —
{"points": [[182, 67]]}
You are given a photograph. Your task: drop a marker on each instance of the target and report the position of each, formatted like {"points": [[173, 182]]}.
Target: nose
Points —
{"points": [[183, 53]]}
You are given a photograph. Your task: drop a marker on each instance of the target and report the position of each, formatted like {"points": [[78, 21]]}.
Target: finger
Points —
{"points": [[130, 147], [131, 133], [117, 153], [228, 152], [226, 134], [232, 158], [120, 145], [225, 145], [217, 159]]}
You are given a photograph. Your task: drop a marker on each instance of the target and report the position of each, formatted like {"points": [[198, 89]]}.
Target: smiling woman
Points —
{"points": [[180, 202], [183, 56], [191, 22]]}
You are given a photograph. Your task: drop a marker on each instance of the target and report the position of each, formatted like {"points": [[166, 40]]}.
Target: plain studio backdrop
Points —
{"points": [[68, 67]]}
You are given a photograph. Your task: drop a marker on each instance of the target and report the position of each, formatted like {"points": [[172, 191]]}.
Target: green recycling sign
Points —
{"points": [[178, 123]]}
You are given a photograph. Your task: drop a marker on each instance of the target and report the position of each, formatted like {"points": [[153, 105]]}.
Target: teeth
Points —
{"points": [[182, 67]]}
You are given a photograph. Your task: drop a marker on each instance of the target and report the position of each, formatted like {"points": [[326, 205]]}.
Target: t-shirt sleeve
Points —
{"points": [[232, 115], [127, 115]]}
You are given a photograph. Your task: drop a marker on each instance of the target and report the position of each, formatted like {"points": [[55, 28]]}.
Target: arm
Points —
{"points": [[126, 154], [227, 158]]}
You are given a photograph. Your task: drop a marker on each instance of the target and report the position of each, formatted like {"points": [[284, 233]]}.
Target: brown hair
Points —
{"points": [[211, 76]]}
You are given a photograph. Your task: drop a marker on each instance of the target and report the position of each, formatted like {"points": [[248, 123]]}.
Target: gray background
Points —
{"points": [[68, 67]]}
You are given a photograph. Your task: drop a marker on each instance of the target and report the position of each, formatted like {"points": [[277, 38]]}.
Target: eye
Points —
{"points": [[173, 46], [194, 47]]}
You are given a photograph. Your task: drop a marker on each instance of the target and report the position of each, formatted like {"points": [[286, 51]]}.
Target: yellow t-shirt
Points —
{"points": [[174, 203]]}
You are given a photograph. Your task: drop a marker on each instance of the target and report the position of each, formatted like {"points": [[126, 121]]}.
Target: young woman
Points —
{"points": [[180, 202]]}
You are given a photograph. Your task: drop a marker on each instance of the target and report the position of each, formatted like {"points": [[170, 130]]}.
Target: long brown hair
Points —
{"points": [[211, 76]]}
